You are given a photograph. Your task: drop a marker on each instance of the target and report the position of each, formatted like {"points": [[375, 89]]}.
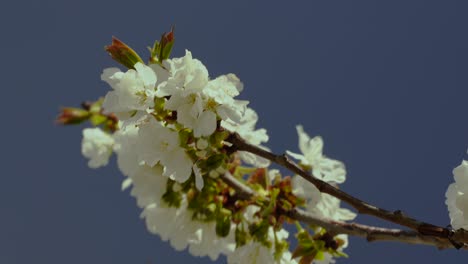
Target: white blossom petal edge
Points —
{"points": [[96, 146], [323, 168], [457, 197]]}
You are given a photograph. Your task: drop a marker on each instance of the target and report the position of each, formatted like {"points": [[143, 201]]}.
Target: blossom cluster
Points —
{"points": [[168, 123], [326, 169], [457, 197]]}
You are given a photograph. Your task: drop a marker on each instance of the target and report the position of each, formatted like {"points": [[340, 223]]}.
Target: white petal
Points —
{"points": [[206, 124], [107, 76], [198, 177], [126, 183], [146, 74]]}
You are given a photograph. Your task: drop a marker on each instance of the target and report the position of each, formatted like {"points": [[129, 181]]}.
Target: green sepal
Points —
{"points": [[162, 49], [216, 140], [240, 171], [240, 236], [96, 107], [159, 105], [97, 119], [215, 161], [272, 204], [260, 231], [184, 136], [172, 198], [223, 223]]}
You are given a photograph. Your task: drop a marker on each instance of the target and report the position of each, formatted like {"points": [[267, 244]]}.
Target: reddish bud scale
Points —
{"points": [[70, 116], [258, 177], [123, 54]]}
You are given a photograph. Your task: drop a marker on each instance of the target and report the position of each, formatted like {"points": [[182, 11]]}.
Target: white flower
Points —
{"points": [[323, 168], [257, 253], [192, 114], [457, 197], [320, 204], [133, 90], [224, 88], [207, 243], [329, 207], [328, 170], [184, 86], [96, 146], [222, 91], [126, 148], [251, 253], [306, 190], [148, 185], [164, 220], [246, 129], [182, 231], [187, 75], [158, 143]]}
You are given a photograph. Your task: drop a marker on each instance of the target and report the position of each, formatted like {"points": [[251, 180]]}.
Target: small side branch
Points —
{"points": [[370, 233], [457, 238]]}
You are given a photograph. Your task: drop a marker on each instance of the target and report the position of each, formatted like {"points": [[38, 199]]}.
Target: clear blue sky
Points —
{"points": [[384, 82]]}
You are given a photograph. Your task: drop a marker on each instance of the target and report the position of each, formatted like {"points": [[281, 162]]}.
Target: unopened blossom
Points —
{"points": [[323, 168], [158, 143], [96, 146], [457, 197]]}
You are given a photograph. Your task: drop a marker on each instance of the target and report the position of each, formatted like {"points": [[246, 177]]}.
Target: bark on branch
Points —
{"points": [[370, 233], [422, 232]]}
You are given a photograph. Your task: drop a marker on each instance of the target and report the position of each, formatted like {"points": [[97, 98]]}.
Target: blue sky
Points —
{"points": [[383, 82]]}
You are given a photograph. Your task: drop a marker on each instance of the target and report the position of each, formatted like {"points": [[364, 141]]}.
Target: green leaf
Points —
{"points": [[223, 223]]}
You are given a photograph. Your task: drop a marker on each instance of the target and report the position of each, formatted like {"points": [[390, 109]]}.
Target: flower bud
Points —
{"points": [[71, 115], [162, 50], [123, 54]]}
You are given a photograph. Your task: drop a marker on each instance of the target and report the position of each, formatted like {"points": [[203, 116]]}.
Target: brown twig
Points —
{"points": [[457, 238], [370, 233]]}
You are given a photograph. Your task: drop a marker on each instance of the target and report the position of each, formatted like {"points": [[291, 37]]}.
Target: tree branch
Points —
{"points": [[457, 238], [370, 233]]}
